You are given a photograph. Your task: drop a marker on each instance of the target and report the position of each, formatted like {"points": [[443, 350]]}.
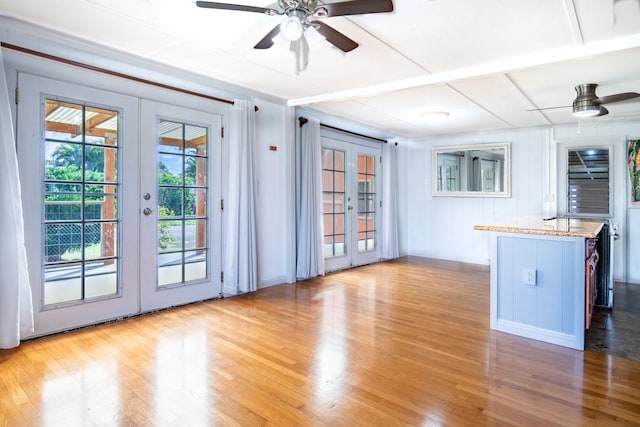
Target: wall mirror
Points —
{"points": [[478, 170]]}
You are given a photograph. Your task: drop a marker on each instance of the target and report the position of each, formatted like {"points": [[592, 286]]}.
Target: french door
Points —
{"points": [[115, 194], [351, 185], [180, 180]]}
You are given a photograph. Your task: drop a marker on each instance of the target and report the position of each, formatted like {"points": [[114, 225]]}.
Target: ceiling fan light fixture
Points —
{"points": [[584, 105], [586, 111], [314, 38], [321, 12], [291, 28], [297, 14]]}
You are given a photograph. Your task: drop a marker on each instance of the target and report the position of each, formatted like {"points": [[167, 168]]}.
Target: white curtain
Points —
{"points": [[16, 312], [389, 247], [241, 260], [310, 259]]}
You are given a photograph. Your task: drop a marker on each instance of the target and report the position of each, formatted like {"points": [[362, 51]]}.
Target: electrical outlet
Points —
{"points": [[529, 276]]}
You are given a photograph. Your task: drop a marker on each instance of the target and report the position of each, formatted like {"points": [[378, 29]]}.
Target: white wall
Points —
{"points": [[275, 190], [442, 227]]}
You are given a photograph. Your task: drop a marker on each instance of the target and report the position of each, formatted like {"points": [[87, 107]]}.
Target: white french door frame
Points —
{"points": [[353, 146]]}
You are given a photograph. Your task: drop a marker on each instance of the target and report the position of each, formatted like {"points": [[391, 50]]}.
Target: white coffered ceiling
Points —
{"points": [[484, 62]]}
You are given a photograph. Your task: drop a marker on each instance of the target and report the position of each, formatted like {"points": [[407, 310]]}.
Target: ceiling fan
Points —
{"points": [[588, 104], [302, 26]]}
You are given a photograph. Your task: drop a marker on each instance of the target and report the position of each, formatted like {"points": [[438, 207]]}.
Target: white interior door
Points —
{"points": [[180, 185], [78, 159], [351, 184]]}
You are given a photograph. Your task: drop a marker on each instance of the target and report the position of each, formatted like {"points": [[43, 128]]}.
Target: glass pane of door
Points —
{"points": [[181, 207], [365, 185], [333, 202], [81, 187], [366, 202]]}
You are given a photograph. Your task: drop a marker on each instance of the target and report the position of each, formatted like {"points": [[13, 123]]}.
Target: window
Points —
{"points": [[588, 189]]}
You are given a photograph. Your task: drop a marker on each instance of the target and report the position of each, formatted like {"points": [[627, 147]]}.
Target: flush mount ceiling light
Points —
{"points": [[303, 16], [434, 116]]}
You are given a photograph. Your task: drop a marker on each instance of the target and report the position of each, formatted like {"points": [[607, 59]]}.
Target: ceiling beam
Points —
{"points": [[504, 66], [572, 16]]}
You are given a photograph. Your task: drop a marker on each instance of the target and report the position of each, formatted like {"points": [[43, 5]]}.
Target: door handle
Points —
{"points": [[147, 211], [349, 207]]}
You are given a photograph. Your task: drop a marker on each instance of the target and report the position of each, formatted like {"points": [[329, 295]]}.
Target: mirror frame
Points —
{"points": [[471, 147]]}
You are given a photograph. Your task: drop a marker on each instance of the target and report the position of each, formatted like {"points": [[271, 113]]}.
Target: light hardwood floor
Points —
{"points": [[398, 343]]}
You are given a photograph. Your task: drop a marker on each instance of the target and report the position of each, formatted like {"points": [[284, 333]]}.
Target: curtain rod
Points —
{"points": [[114, 73], [304, 120]]}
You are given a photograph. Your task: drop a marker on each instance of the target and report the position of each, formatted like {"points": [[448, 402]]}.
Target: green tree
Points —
{"points": [[170, 191], [172, 194], [71, 154]]}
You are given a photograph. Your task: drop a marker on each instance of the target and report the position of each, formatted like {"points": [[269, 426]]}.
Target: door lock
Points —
{"points": [[146, 196]]}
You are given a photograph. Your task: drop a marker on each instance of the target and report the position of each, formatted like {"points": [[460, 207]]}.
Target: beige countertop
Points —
{"points": [[565, 227]]}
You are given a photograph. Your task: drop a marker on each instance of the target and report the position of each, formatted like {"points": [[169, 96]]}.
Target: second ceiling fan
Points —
{"points": [[588, 104], [302, 24]]}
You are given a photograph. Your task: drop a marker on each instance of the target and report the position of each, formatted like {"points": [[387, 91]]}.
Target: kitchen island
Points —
{"points": [[542, 278]]}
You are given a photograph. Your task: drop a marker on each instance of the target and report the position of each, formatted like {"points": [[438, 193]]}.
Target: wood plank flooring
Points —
{"points": [[398, 343]]}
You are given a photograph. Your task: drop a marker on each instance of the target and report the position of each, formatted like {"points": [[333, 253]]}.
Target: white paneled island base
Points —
{"points": [[538, 278]]}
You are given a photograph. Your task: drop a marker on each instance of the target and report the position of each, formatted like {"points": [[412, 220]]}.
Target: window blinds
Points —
{"points": [[588, 181]]}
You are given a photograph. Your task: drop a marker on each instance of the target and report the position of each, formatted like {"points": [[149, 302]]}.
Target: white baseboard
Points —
{"points": [[273, 282], [425, 254], [533, 332]]}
